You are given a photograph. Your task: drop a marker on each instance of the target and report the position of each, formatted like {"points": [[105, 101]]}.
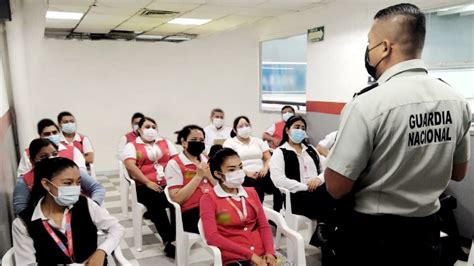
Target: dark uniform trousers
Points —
{"points": [[388, 240]]}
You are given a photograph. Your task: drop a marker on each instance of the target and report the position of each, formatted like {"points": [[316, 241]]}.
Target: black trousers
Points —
{"points": [[156, 204], [388, 240], [316, 205], [265, 185], [190, 220]]}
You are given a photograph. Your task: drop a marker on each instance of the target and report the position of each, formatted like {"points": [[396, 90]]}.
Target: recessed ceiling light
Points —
{"points": [[189, 21], [63, 15], [149, 37]]}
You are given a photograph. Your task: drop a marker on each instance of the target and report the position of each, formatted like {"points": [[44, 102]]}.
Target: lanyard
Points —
{"points": [[243, 215], [69, 251]]}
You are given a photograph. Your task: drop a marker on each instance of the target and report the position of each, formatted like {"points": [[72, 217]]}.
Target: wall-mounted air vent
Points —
{"points": [[152, 13]]}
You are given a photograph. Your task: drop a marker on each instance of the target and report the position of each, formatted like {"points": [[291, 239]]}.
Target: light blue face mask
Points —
{"points": [[55, 138], [69, 128], [67, 195], [286, 116], [297, 135]]}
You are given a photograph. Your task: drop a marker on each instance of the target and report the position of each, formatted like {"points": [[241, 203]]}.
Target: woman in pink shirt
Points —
{"points": [[232, 216]]}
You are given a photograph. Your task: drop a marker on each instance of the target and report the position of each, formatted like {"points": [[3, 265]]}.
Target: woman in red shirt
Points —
{"points": [[232, 216]]}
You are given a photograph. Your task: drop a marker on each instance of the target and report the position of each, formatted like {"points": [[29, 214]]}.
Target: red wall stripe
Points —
{"points": [[5, 123], [334, 108]]}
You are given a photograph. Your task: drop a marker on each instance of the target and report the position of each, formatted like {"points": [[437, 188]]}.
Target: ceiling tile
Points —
{"points": [[139, 23], [71, 2], [223, 24], [67, 8], [289, 5], [123, 3], [173, 6], [60, 23], [234, 3], [168, 29], [264, 12]]}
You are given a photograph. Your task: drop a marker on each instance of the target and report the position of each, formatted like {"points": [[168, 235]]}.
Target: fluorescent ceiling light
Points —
{"points": [[149, 37], [189, 21], [63, 15], [177, 38]]}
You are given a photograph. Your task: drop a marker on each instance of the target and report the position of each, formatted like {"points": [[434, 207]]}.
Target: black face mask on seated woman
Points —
{"points": [[195, 148]]}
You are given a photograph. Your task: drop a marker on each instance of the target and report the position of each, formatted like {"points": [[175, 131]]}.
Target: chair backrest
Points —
{"points": [[92, 170], [287, 194], [201, 231], [470, 261], [9, 258], [131, 183], [177, 211]]}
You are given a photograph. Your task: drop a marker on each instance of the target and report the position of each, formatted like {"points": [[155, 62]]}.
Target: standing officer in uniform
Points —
{"points": [[399, 144]]}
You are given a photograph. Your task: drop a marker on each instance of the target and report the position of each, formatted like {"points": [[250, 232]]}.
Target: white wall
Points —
{"points": [[335, 66], [102, 83]]}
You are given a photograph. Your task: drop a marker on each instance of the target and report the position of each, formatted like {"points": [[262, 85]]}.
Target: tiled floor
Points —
{"points": [[152, 253]]}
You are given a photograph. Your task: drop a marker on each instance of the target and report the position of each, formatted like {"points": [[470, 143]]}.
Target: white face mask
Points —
{"points": [[69, 128], [67, 195], [244, 132], [286, 116], [150, 134], [234, 179], [218, 122], [135, 128]]}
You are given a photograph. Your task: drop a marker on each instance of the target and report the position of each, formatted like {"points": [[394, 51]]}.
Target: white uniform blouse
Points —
{"points": [[308, 169]]}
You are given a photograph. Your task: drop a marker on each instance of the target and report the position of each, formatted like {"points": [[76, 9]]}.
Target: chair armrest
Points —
{"points": [[119, 258], [295, 238]]}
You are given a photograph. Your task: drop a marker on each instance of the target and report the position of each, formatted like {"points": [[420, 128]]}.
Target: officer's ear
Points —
{"points": [[387, 47]]}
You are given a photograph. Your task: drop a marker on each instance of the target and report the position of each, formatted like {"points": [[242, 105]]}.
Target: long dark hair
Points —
{"points": [[215, 163], [233, 133], [37, 144], [288, 125], [184, 133], [47, 168]]}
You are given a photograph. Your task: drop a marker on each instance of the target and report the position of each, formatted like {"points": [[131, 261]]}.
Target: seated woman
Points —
{"points": [[299, 168], [255, 155], [145, 159], [47, 129], [40, 149], [188, 176], [60, 226], [232, 216]]}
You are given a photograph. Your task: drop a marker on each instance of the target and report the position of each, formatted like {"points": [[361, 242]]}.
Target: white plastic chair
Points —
{"points": [[123, 189], [294, 241], [9, 259], [215, 250], [92, 171], [138, 210], [295, 221], [184, 240], [470, 261]]}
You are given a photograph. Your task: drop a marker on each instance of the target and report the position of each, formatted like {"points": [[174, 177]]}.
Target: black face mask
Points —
{"points": [[372, 70], [195, 148]]}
